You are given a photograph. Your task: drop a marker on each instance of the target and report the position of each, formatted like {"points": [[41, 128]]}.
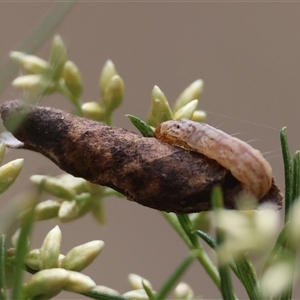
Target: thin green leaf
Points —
{"points": [[187, 226], [142, 126], [173, 221], [102, 296], [202, 256], [206, 238], [279, 244], [287, 295], [217, 198], [213, 244], [148, 291], [35, 39], [296, 177], [224, 270], [288, 169], [170, 282], [243, 269], [2, 268], [247, 275], [226, 285], [20, 254]]}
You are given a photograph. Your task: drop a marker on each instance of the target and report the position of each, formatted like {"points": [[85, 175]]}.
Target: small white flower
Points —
{"points": [[193, 91], [79, 283], [50, 250], [81, 256], [276, 279], [136, 282], [136, 295], [183, 291], [245, 231]]}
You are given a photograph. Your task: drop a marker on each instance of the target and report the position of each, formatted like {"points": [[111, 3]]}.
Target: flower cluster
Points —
{"points": [[61, 75], [141, 289], [74, 197], [184, 108], [54, 272]]}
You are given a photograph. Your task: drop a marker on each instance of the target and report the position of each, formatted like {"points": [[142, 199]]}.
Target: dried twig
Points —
{"points": [[145, 170]]}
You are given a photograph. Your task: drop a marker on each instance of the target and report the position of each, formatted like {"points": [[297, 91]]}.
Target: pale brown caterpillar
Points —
{"points": [[245, 163]]}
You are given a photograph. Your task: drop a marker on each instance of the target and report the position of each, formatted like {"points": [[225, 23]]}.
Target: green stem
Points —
{"points": [[202, 256], [224, 270], [61, 87], [20, 255], [103, 296], [189, 238], [288, 170], [2, 268], [247, 275], [168, 285], [287, 295], [296, 177], [173, 221]]}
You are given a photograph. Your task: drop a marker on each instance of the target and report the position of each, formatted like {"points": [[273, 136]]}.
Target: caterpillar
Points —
{"points": [[244, 162]]}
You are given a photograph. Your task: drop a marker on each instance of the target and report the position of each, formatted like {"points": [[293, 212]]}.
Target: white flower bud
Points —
{"points": [[276, 279], [93, 111], [183, 291], [136, 282], [199, 116], [15, 237], [50, 250], [160, 110], [32, 259], [114, 93], [68, 211], [72, 78], [2, 151], [98, 211], [58, 57], [79, 283], [30, 64], [46, 282], [9, 172], [245, 231], [186, 111], [81, 256], [94, 188], [76, 184], [136, 295], [46, 210], [193, 91], [34, 83], [107, 73], [54, 186]]}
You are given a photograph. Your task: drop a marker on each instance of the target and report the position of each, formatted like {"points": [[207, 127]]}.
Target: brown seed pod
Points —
{"points": [[146, 170]]}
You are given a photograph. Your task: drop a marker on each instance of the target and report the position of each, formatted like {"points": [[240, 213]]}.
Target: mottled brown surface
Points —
{"points": [[145, 170]]}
